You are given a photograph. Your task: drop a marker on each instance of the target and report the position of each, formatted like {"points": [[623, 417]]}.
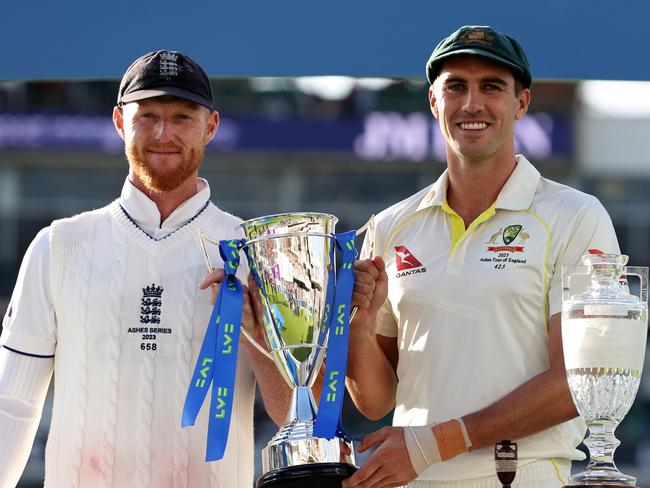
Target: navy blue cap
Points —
{"points": [[161, 73]]}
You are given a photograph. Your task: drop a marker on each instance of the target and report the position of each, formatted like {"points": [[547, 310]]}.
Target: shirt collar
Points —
{"points": [[145, 214], [516, 194], [519, 190], [437, 195]]}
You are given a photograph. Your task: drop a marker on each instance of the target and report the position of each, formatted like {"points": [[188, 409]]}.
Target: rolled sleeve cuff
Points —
{"points": [[29, 346]]}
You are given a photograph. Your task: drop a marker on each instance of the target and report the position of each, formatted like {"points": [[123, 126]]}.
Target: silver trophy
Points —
{"points": [[604, 329], [292, 258]]}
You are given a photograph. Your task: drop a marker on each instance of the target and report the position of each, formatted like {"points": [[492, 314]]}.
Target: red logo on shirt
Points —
{"points": [[404, 259]]}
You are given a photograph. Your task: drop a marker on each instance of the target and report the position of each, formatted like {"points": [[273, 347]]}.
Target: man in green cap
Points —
{"points": [[459, 296]]}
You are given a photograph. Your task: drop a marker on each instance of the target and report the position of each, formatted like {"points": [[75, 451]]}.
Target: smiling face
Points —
{"points": [[165, 139], [476, 103]]}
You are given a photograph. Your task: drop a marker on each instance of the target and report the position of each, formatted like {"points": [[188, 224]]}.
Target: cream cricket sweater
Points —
{"points": [[129, 323]]}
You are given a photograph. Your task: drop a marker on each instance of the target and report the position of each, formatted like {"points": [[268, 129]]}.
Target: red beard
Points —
{"points": [[167, 179]]}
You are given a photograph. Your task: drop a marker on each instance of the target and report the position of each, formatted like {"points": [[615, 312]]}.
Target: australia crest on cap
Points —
{"points": [[477, 36]]}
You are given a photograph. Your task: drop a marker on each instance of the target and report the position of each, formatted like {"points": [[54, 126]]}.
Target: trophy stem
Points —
{"points": [[601, 444], [601, 468], [303, 407]]}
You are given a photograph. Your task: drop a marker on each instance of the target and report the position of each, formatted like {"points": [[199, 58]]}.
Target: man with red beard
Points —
{"points": [[109, 301]]}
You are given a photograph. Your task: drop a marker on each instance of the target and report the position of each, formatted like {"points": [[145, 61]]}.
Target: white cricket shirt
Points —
{"points": [[470, 308]]}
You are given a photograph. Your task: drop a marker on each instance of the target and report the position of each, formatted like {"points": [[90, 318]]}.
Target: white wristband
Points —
{"points": [[422, 447], [468, 441], [430, 444]]}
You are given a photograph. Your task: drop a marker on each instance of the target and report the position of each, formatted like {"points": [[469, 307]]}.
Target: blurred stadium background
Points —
{"points": [[346, 146]]}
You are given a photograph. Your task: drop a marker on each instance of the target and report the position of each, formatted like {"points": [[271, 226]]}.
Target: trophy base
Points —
{"points": [[602, 478], [316, 475]]}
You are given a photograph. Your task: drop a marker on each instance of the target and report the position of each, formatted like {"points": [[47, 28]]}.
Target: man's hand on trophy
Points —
{"points": [[370, 285], [213, 280], [406, 452], [256, 328], [388, 466]]}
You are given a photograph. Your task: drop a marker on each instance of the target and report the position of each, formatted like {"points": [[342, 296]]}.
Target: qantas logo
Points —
{"points": [[406, 263], [405, 259]]}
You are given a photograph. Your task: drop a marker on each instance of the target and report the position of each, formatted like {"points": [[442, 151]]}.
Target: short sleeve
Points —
{"points": [[592, 229], [29, 324], [386, 322], [368, 247]]}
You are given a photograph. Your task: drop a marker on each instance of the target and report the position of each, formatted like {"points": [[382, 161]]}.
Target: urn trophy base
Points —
{"points": [[587, 479], [601, 477], [600, 486], [317, 475]]}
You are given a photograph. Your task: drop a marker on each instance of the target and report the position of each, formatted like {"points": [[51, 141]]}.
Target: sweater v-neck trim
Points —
{"points": [[164, 244]]}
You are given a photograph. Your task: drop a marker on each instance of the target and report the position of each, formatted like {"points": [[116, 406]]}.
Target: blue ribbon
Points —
{"points": [[328, 420], [219, 350]]}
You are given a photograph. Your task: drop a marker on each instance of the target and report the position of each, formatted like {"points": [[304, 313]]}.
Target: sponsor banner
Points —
{"points": [[374, 136]]}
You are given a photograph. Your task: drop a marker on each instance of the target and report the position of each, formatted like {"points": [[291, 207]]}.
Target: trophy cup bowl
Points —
{"points": [[292, 258], [604, 331]]}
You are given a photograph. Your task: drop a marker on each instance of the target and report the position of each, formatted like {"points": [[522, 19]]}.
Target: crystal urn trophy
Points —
{"points": [[604, 330]]}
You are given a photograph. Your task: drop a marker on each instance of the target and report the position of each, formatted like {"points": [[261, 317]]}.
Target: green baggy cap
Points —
{"points": [[483, 41]]}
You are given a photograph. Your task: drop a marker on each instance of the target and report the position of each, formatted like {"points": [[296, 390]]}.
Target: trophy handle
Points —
{"points": [[202, 238], [368, 226], [641, 273], [255, 343], [569, 272]]}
